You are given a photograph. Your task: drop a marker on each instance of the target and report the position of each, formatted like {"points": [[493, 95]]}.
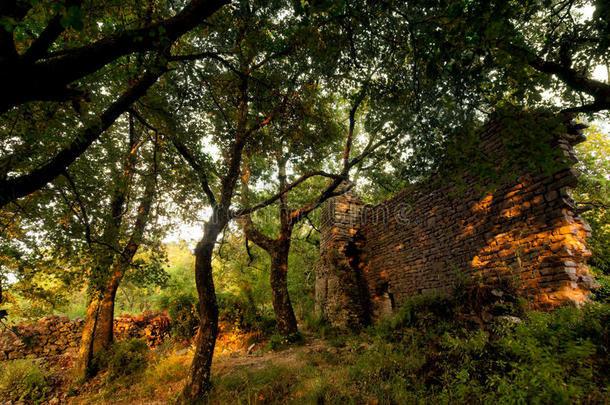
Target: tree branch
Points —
{"points": [[201, 173], [598, 90], [23, 185], [275, 197], [352, 123], [22, 80], [79, 200], [49, 35]]}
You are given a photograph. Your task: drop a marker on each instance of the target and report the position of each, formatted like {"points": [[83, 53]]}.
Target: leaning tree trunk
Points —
{"points": [[198, 380], [104, 331], [284, 314], [99, 323], [85, 352], [98, 327]]}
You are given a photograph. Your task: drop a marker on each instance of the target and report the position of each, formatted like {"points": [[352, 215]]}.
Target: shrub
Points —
{"points": [[558, 357], [602, 294], [124, 358], [182, 310], [279, 342], [23, 380], [320, 327], [241, 310], [173, 368], [420, 312]]}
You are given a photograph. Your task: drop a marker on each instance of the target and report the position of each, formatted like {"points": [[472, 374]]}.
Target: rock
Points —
{"points": [[589, 282], [509, 319], [58, 335]]}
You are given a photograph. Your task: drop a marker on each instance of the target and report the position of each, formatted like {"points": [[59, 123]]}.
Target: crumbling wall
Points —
{"points": [[339, 286], [427, 237], [55, 335]]}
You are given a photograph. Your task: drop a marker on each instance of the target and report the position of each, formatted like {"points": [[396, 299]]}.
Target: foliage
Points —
{"points": [[424, 354], [602, 294], [168, 368], [273, 81], [182, 310], [559, 357], [123, 358], [593, 192], [23, 380], [420, 312], [277, 342]]}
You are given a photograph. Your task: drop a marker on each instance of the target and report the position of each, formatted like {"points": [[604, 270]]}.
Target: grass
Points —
{"points": [[425, 354], [23, 381]]}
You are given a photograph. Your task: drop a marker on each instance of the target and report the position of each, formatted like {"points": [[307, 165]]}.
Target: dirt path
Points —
{"points": [[226, 363]]}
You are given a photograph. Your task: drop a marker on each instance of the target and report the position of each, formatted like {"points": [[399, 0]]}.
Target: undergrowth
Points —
{"points": [[428, 354], [23, 381], [432, 351]]}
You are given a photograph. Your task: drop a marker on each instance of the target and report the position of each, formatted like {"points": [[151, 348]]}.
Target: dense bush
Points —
{"points": [[182, 310], [23, 380], [242, 311], [558, 357], [124, 358], [429, 354]]}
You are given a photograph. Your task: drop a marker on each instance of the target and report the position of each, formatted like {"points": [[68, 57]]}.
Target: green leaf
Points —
{"points": [[73, 18]]}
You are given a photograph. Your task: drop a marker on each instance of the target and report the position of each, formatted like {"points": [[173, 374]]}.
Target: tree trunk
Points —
{"points": [[85, 352], [198, 380], [284, 314], [278, 250], [99, 326], [99, 323], [104, 331]]}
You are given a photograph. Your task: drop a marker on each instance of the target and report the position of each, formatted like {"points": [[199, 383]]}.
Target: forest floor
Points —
{"points": [[163, 380], [427, 353]]}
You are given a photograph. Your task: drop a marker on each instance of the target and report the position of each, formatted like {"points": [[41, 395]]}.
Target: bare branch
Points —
{"points": [[201, 172], [274, 198]]}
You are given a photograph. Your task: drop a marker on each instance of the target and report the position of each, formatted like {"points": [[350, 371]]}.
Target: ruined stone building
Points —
{"points": [[425, 238]]}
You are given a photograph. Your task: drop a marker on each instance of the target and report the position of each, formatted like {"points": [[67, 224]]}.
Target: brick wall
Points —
{"points": [[421, 241]]}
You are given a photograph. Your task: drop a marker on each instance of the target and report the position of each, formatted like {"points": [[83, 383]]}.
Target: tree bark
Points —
{"points": [[46, 78], [103, 335], [278, 250], [99, 323], [85, 352], [198, 380], [284, 314]]}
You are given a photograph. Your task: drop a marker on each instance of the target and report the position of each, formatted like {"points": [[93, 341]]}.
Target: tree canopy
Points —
{"points": [[120, 119]]}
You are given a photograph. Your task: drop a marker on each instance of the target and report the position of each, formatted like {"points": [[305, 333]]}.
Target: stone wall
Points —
{"points": [[56, 335], [429, 236]]}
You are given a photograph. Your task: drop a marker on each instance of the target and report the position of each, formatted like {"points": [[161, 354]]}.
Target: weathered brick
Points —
{"points": [[521, 227]]}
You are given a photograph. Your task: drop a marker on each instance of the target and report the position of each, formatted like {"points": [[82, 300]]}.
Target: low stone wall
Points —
{"points": [[49, 336], [429, 236], [152, 326], [55, 335]]}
